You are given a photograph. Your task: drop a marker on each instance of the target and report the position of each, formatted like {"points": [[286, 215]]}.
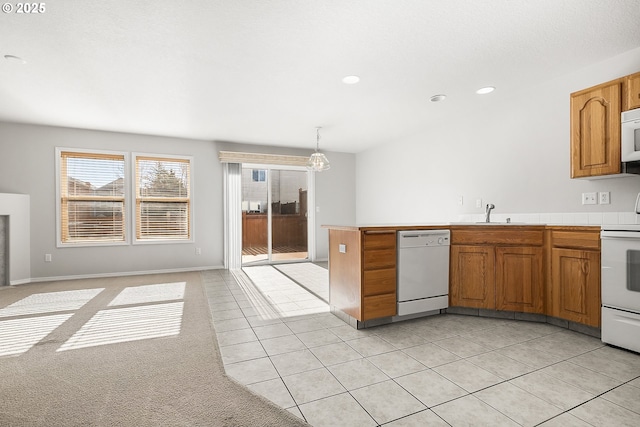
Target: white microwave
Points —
{"points": [[630, 135]]}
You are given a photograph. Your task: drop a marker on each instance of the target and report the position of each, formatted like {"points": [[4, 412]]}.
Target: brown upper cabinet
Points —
{"points": [[595, 130], [595, 125], [632, 92]]}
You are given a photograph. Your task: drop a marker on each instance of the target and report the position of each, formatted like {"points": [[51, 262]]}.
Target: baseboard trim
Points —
{"points": [[117, 274]]}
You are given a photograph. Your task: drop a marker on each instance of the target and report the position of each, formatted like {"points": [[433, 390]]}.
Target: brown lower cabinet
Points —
{"points": [[379, 274], [496, 276], [552, 270], [520, 279], [472, 276], [362, 272], [573, 291]]}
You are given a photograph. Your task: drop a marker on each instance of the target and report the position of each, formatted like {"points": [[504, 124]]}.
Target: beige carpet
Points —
{"points": [[176, 380]]}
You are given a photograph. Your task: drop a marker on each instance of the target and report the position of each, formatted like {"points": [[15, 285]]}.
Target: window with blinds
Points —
{"points": [[92, 197], [163, 198]]}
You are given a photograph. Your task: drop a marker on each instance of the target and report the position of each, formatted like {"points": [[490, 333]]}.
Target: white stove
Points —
{"points": [[620, 287]]}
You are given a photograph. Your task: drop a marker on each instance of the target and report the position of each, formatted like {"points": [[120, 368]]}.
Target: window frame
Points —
{"points": [[134, 196], [125, 210]]}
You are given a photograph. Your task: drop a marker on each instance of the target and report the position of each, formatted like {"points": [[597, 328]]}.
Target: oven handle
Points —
{"points": [[608, 234]]}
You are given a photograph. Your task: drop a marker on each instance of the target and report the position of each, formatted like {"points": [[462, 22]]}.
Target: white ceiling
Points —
{"points": [[269, 71]]}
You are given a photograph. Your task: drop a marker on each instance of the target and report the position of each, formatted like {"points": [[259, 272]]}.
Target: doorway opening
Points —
{"points": [[275, 218]]}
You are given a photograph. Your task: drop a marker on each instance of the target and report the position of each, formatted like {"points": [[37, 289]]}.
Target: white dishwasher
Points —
{"points": [[423, 270]]}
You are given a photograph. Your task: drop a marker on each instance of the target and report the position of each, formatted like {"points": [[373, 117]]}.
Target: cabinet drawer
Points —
{"points": [[376, 282], [379, 258], [379, 239], [576, 239], [379, 306], [496, 235]]}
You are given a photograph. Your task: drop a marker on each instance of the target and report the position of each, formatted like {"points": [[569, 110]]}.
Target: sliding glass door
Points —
{"points": [[274, 214]]}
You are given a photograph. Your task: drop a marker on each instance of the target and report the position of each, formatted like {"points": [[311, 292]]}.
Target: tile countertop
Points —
{"points": [[451, 225], [608, 220]]}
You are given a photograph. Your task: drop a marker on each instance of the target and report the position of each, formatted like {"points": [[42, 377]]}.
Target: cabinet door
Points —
{"points": [[575, 287], [633, 91], [519, 279], [595, 130], [472, 276]]}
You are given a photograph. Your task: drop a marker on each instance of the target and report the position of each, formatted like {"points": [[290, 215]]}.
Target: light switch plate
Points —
{"points": [[342, 248]]}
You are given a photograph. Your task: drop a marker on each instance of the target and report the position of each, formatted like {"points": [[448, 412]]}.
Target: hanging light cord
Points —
{"points": [[318, 138]]}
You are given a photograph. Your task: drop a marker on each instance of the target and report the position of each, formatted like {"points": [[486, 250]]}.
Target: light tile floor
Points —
{"points": [[438, 370]]}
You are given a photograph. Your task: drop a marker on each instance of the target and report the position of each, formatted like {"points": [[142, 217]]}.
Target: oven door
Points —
{"points": [[620, 262]]}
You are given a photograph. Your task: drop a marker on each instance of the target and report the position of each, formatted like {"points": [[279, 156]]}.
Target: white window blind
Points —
{"points": [[92, 197], [163, 198], [265, 159]]}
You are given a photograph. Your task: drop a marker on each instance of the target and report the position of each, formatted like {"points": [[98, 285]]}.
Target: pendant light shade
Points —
{"points": [[318, 162]]}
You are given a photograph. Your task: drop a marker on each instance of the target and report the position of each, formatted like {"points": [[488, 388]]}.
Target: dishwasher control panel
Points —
{"points": [[414, 239]]}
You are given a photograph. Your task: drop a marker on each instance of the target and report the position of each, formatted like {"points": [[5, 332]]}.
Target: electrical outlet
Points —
{"points": [[478, 203], [604, 197], [589, 199], [47, 257], [198, 251]]}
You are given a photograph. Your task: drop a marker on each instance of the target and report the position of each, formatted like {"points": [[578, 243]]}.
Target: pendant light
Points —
{"points": [[318, 162]]}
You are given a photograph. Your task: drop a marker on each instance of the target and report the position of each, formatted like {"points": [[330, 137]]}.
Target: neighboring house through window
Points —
{"points": [[91, 202], [259, 175], [93, 198]]}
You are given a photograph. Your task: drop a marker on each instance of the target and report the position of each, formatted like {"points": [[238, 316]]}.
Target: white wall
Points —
{"points": [[27, 166], [511, 150]]}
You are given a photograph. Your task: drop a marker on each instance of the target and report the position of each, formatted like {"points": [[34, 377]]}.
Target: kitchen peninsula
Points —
{"points": [[528, 271]]}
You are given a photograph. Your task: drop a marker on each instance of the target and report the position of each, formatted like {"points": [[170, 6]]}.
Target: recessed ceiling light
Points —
{"points": [[484, 90], [437, 98], [351, 80], [14, 58]]}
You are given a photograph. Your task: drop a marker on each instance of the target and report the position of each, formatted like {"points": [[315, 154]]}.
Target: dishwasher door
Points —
{"points": [[423, 270]]}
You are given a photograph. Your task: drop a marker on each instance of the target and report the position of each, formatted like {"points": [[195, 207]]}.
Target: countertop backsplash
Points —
{"points": [[572, 218]]}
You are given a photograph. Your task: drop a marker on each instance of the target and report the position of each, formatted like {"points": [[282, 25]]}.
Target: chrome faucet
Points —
{"points": [[487, 212]]}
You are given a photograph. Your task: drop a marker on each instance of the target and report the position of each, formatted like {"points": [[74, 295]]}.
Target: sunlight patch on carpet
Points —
{"points": [[128, 324], [150, 293], [19, 335], [50, 302]]}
